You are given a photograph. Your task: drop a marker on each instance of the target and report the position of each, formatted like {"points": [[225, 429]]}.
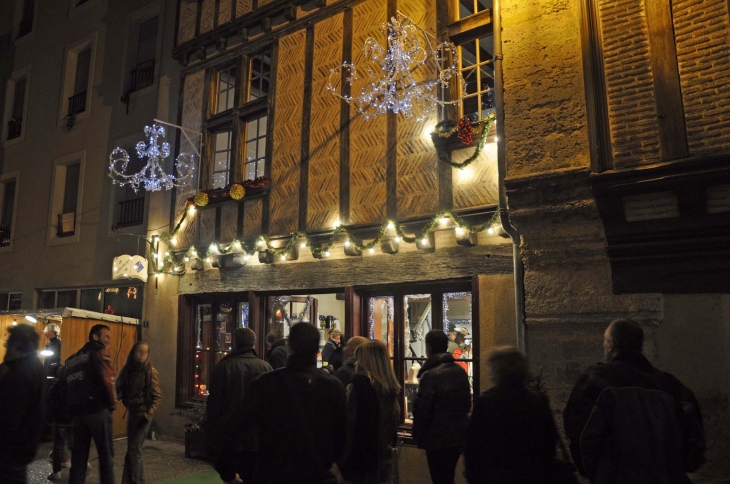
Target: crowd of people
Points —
{"points": [[285, 420]]}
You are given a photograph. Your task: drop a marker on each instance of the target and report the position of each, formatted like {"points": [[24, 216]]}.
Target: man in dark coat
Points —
{"points": [[629, 422], [331, 345], [345, 372], [300, 413], [22, 379], [91, 398], [276, 355], [441, 408], [230, 383]]}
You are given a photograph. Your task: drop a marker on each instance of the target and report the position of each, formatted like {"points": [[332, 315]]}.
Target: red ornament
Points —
{"points": [[464, 133]]}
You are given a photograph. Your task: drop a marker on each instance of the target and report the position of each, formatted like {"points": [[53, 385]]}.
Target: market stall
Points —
{"points": [[75, 325]]}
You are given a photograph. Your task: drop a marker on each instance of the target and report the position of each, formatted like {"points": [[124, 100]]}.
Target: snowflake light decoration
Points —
{"points": [[152, 177], [392, 84]]}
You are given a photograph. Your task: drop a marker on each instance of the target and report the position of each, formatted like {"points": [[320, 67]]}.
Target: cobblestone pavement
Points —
{"points": [[163, 459]]}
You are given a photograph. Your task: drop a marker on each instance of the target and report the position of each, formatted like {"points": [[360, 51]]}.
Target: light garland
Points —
{"points": [[152, 177], [392, 85], [263, 243]]}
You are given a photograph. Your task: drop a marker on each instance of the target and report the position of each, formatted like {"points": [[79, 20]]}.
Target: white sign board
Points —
{"points": [[128, 267]]}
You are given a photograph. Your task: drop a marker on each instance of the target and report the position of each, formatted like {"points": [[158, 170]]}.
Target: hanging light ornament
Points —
{"points": [[392, 84], [152, 177]]}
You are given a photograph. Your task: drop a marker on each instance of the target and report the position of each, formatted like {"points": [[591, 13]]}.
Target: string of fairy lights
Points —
{"points": [[301, 240]]}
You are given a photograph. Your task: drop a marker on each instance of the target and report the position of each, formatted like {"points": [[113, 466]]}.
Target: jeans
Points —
{"points": [[61, 435], [97, 426], [442, 464], [241, 463], [137, 429]]}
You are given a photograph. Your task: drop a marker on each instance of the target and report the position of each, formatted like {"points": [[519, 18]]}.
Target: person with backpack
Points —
{"points": [[91, 400], [138, 388]]}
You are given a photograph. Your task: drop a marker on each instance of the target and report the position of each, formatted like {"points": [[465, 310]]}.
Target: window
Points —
{"points": [[255, 147], [208, 338], [470, 7], [131, 204], [24, 17], [10, 301], [142, 67], [222, 158], [16, 101], [477, 68], [226, 89], [8, 212], [121, 301], [259, 76], [402, 317], [78, 79], [65, 214]]}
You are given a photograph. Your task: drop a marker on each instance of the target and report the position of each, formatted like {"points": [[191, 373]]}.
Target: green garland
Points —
{"points": [[445, 155], [264, 243]]}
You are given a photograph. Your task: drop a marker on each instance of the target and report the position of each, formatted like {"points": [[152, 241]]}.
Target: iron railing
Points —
{"points": [[131, 212], [15, 127], [142, 76], [77, 104], [4, 235]]}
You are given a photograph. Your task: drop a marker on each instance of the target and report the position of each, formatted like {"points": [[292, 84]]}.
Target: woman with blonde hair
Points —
{"points": [[372, 417]]}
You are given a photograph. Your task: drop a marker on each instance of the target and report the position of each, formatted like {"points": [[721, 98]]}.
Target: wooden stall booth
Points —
{"points": [[75, 326]]}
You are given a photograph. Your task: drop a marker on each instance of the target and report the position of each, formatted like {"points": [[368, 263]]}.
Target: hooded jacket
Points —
{"points": [[441, 408], [630, 423]]}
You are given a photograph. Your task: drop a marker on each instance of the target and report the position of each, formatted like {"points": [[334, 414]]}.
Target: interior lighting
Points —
{"points": [[31, 319], [46, 353]]}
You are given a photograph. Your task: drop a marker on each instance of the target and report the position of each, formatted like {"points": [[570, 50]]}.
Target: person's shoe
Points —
{"points": [[54, 476]]}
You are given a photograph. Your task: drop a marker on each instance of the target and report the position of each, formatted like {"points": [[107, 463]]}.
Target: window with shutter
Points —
{"points": [[15, 123], [8, 204]]}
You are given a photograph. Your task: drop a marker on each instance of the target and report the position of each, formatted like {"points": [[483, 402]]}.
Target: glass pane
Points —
{"points": [[486, 49], [262, 125], [203, 323], [468, 54], [471, 108], [486, 78], [251, 131], [260, 168], [381, 320], [458, 327], [470, 79], [222, 101], [483, 5], [466, 8], [262, 148], [250, 171], [251, 151], [91, 299], [220, 180], [16, 301], [225, 324], [221, 161], [418, 322], [67, 299], [124, 301], [4, 297], [243, 314], [47, 300], [221, 141], [488, 105]]}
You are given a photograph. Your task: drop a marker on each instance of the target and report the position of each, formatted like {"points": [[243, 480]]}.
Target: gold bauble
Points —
{"points": [[237, 191], [201, 199]]}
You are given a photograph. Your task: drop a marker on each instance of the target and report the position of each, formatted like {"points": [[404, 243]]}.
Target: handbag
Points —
{"points": [[562, 470]]}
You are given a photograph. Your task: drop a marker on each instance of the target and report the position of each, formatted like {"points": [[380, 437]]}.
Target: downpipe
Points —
{"points": [[511, 230]]}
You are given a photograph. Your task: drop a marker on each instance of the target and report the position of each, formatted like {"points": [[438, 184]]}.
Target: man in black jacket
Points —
{"points": [[441, 408], [345, 372], [52, 352], [300, 413], [629, 422], [276, 355], [22, 378], [230, 383], [91, 398]]}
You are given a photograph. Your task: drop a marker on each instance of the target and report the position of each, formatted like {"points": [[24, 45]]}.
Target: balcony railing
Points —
{"points": [[26, 25], [142, 76], [4, 235], [77, 104], [131, 212], [66, 224], [15, 127]]}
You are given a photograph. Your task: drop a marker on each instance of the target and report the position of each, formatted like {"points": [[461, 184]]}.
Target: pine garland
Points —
{"points": [[264, 243], [445, 155]]}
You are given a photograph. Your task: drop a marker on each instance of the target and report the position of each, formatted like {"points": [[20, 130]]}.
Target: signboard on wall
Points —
{"points": [[128, 267]]}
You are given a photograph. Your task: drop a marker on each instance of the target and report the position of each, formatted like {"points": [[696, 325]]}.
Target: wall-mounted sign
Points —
{"points": [[130, 267]]}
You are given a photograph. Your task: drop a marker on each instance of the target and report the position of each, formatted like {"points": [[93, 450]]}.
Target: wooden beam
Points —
{"points": [[667, 90], [391, 153], [471, 27], [306, 128], [345, 122], [266, 215], [266, 24], [290, 13]]}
